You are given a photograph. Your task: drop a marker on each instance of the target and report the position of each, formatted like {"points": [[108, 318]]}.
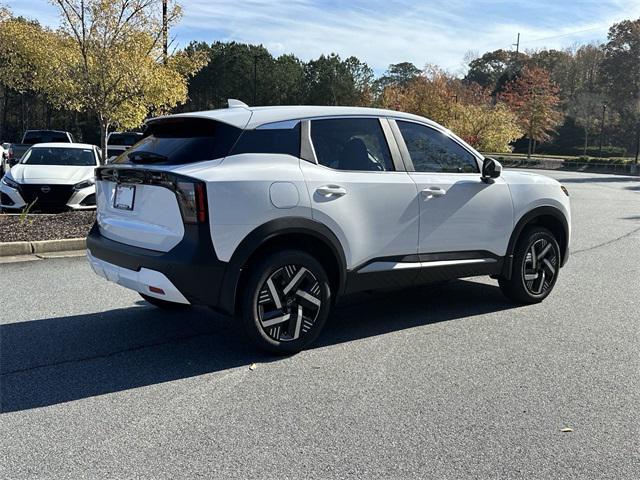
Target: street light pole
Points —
{"points": [[637, 144], [604, 109]]}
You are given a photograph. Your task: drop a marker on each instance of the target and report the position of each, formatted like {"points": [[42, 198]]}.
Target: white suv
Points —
{"points": [[271, 213]]}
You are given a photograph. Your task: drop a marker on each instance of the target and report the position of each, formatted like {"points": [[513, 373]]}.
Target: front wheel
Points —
{"points": [[286, 301], [536, 263]]}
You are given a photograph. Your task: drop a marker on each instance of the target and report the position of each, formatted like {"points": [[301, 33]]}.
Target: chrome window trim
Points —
{"points": [[283, 125], [384, 266]]}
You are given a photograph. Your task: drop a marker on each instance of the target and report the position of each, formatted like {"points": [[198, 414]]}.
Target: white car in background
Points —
{"points": [[4, 157], [52, 176], [120, 142]]}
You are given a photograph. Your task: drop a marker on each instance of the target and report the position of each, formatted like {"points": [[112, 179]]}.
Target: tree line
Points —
{"points": [[103, 70]]}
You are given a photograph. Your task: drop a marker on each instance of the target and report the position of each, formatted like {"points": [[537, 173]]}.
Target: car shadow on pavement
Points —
{"points": [[56, 360]]}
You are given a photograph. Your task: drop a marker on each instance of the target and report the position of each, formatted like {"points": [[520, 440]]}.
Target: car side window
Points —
{"points": [[351, 144], [271, 140], [433, 151]]}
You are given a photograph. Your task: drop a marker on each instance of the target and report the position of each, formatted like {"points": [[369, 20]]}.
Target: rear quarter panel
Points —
{"points": [[241, 195]]}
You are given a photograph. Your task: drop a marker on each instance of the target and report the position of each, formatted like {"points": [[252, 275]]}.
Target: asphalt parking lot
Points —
{"points": [[446, 382]]}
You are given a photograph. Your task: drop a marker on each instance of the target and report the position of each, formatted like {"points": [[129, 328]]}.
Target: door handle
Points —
{"points": [[331, 191], [433, 192]]}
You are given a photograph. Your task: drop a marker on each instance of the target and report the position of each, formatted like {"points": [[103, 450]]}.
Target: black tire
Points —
{"points": [[286, 301], [164, 304], [536, 264]]}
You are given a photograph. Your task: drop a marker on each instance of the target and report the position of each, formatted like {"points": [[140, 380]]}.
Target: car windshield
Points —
{"points": [[59, 156]]}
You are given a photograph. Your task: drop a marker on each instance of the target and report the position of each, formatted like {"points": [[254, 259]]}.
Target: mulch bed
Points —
{"points": [[45, 226]]}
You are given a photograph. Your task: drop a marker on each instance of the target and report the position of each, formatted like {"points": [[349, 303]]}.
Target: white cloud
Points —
{"points": [[382, 32]]}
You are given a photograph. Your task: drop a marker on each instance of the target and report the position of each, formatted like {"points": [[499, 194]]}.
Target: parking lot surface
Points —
{"points": [[440, 382]]}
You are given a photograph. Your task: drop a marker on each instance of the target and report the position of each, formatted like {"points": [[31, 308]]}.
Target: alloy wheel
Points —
{"points": [[289, 303], [540, 267]]}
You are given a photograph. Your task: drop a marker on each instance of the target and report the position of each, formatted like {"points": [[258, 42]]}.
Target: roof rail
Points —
{"points": [[232, 103]]}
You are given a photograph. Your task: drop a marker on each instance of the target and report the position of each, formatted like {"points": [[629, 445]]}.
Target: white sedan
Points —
{"points": [[52, 176]]}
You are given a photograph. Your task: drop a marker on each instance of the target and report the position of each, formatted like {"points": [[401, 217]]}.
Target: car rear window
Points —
{"points": [[112, 152], [181, 141], [31, 138], [124, 139]]}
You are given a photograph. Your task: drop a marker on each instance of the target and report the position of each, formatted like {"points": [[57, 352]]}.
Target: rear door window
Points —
{"points": [[351, 144], [181, 141]]}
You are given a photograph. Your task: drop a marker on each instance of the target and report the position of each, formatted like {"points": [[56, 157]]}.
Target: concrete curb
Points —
{"points": [[43, 246]]}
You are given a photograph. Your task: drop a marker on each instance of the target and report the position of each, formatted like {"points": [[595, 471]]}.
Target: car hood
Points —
{"points": [[53, 174], [517, 177]]}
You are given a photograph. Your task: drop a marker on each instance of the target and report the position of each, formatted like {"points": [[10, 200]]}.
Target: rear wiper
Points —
{"points": [[146, 157]]}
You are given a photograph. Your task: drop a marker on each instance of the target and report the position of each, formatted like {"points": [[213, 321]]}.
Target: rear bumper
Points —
{"points": [[140, 281], [191, 268]]}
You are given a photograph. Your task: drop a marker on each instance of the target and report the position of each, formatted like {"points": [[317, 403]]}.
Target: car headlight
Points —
{"points": [[9, 182], [84, 184]]}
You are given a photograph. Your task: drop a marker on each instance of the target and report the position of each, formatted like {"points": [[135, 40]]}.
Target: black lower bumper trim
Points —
{"points": [[192, 265]]}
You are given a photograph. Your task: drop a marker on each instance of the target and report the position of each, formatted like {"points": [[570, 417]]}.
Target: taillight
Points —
{"points": [[201, 201], [191, 193], [192, 200]]}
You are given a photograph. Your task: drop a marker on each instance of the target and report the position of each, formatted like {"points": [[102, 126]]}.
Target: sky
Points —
{"points": [[381, 32]]}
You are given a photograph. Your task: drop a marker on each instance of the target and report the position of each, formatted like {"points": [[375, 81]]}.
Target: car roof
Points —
{"points": [[63, 145], [246, 117], [45, 130]]}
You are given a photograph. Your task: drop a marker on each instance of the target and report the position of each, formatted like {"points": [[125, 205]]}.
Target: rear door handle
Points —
{"points": [[331, 191], [433, 192]]}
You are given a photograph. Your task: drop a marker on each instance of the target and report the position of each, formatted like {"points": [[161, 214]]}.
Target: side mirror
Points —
{"points": [[491, 169]]}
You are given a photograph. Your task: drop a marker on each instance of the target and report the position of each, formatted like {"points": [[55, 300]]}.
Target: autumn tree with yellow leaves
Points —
{"points": [[466, 109], [106, 58]]}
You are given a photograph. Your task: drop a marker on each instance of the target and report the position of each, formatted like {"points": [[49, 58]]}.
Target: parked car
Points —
{"points": [[270, 213], [4, 157], [31, 137], [120, 142], [52, 176]]}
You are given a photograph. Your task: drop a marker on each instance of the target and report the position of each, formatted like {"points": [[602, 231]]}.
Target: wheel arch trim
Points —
{"points": [[271, 230], [526, 219]]}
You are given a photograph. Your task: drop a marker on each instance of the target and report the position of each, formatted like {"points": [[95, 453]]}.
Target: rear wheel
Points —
{"points": [[164, 304], [286, 301], [536, 263]]}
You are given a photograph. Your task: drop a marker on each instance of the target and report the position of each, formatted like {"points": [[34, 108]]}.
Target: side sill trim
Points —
{"points": [[386, 266]]}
